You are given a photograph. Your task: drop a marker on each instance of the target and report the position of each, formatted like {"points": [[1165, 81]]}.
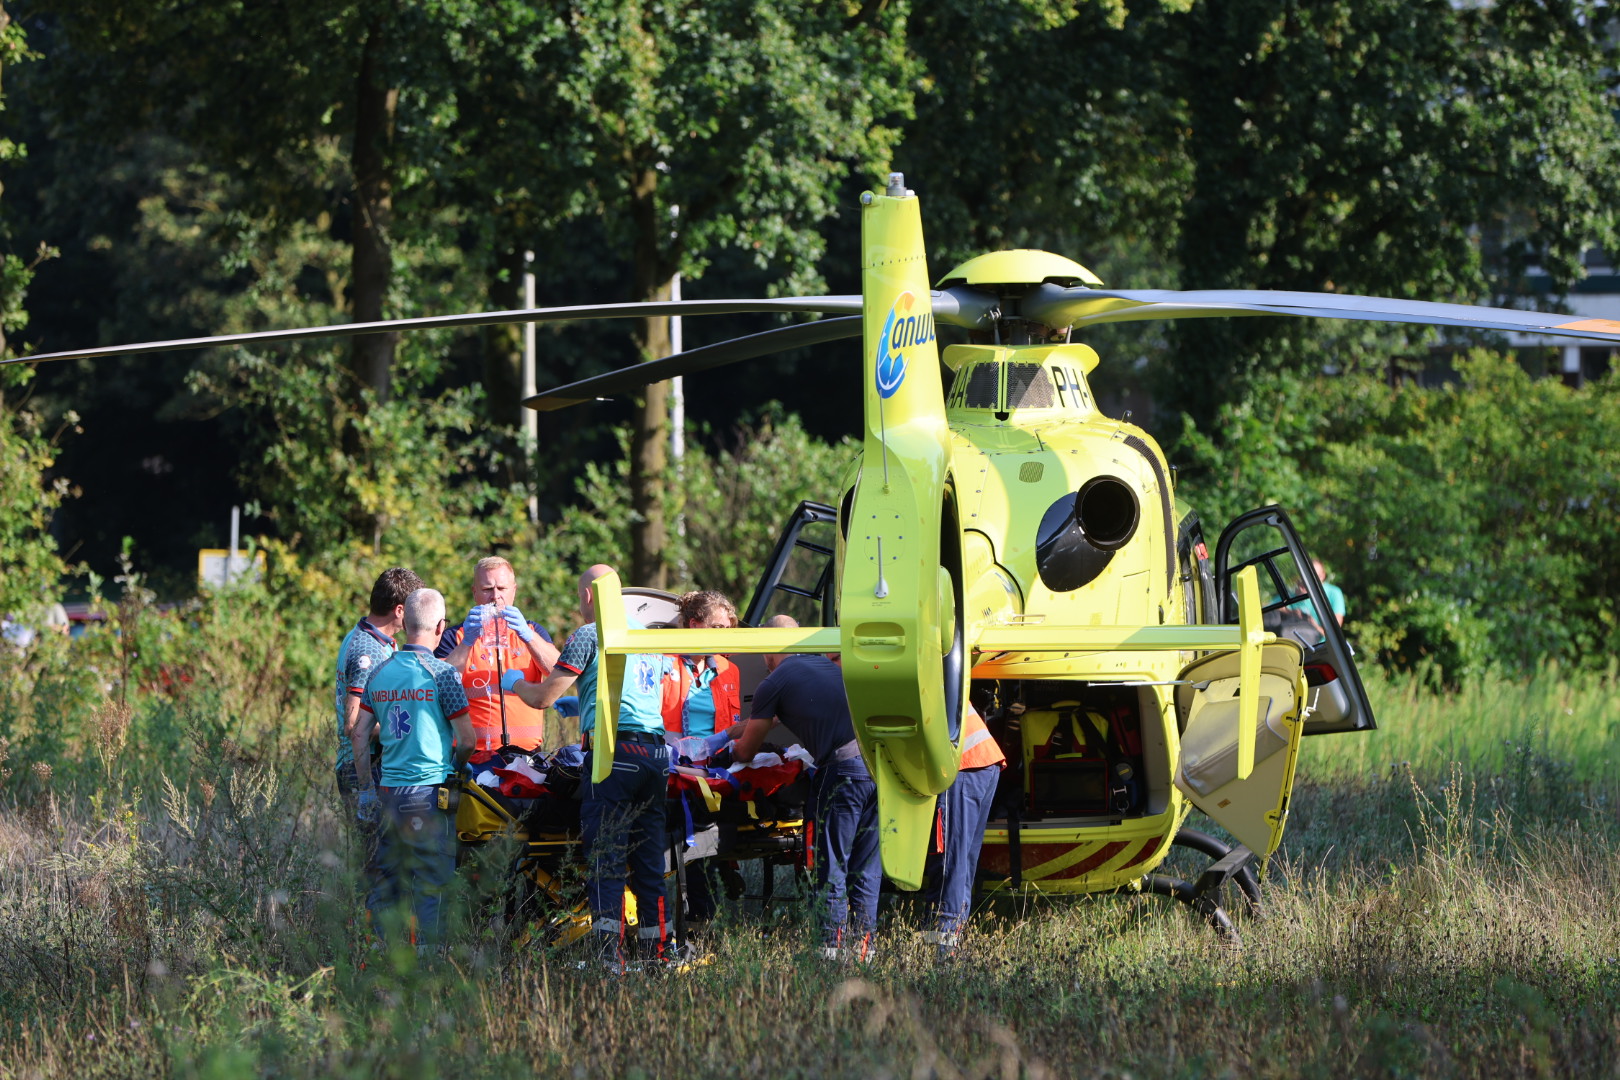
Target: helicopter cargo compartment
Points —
{"points": [[1088, 780]]}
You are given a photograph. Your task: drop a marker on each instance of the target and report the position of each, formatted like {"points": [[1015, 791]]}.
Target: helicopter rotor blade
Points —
{"points": [[961, 305], [839, 305], [1057, 307], [719, 354]]}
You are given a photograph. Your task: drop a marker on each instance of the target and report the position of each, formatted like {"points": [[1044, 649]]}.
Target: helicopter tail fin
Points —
{"points": [[901, 594]]}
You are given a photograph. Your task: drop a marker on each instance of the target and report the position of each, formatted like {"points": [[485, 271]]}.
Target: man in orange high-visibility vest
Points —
{"points": [[966, 807], [495, 637]]}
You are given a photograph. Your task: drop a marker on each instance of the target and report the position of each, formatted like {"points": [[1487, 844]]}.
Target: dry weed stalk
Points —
{"points": [[41, 814], [1007, 1062], [112, 731]]}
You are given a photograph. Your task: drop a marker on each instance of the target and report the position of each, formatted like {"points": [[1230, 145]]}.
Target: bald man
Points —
{"points": [[622, 818], [806, 692]]}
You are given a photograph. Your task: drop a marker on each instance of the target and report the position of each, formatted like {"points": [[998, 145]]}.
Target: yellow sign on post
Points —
{"points": [[220, 568]]}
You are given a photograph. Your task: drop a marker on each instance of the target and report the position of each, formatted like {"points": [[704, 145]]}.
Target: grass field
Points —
{"points": [[174, 900]]}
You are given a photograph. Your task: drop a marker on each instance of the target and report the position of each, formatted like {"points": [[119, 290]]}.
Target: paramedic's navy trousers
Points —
{"points": [[416, 860], [848, 867], [622, 821], [967, 811], [368, 833]]}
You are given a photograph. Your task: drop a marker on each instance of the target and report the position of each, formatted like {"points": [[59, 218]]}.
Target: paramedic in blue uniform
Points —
{"points": [[806, 692], [367, 644], [703, 694], [622, 818], [418, 710]]}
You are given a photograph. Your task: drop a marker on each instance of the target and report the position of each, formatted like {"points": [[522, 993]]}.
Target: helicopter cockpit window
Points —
{"points": [[981, 386], [1028, 387], [1283, 597]]}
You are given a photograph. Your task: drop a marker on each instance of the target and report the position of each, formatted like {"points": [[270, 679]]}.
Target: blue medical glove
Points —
{"points": [[474, 624], [367, 807], [718, 741], [520, 626], [510, 678]]}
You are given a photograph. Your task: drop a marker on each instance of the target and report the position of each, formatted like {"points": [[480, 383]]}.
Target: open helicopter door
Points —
{"points": [[1290, 594], [1210, 712], [798, 578], [797, 581]]}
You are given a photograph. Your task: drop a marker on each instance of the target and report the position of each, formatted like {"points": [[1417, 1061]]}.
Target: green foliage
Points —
{"points": [[734, 503], [1048, 125], [726, 124], [28, 495], [27, 501], [1364, 145], [1472, 525]]}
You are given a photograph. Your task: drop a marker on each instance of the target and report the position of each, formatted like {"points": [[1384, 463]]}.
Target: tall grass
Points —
{"points": [[176, 898]]}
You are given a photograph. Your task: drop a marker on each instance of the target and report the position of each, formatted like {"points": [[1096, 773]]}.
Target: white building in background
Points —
{"points": [[1598, 297]]}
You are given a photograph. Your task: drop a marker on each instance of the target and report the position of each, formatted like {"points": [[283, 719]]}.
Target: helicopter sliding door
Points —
{"points": [[1252, 808], [1296, 609]]}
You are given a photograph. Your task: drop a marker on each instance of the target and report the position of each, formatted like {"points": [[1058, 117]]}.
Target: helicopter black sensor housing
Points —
{"points": [[1080, 532]]}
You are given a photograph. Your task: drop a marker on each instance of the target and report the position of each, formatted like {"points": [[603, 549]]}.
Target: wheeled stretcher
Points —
{"points": [[758, 818]]}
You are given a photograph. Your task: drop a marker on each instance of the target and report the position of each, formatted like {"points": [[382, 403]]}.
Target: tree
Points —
{"points": [[1083, 159], [723, 124], [27, 498], [337, 108], [1359, 145], [1472, 525]]}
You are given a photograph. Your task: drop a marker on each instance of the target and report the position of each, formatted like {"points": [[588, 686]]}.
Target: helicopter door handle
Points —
{"points": [[878, 641], [881, 642]]}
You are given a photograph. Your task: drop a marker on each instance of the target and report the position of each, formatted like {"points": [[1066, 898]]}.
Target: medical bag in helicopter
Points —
{"points": [[1078, 762]]}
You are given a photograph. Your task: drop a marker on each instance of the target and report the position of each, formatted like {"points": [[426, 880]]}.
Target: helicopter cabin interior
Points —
{"points": [[1077, 750]]}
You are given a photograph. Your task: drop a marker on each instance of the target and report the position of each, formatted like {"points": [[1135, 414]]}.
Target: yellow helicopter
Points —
{"points": [[1004, 542]]}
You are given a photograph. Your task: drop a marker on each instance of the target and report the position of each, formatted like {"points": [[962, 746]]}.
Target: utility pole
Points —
{"points": [[677, 424], [531, 418]]}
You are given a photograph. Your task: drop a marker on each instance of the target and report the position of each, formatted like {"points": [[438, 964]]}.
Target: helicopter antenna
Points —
{"points": [[883, 437]]}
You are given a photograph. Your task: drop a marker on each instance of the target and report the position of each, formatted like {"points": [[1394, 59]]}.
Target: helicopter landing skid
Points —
{"points": [[1204, 896], [1187, 893], [1242, 872]]}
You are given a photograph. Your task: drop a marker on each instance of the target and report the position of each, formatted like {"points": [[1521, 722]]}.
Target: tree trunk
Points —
{"points": [[503, 345], [373, 264], [649, 443]]}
